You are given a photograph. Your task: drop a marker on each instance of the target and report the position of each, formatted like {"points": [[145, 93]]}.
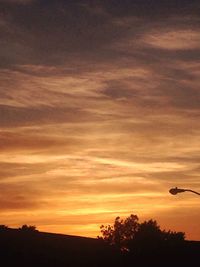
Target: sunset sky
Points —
{"points": [[99, 113]]}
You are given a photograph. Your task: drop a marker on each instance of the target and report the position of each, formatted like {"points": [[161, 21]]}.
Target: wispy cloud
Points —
{"points": [[174, 40], [17, 1]]}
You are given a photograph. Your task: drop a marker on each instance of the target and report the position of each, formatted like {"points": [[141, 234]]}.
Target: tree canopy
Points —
{"points": [[130, 235]]}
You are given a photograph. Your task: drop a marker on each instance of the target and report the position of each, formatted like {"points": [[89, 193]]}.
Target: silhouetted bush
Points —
{"points": [[28, 228], [3, 227]]}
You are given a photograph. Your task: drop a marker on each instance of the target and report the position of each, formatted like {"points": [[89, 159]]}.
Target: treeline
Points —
{"points": [[24, 227]]}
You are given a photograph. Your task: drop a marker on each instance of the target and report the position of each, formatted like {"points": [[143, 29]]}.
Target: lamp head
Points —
{"points": [[176, 190]]}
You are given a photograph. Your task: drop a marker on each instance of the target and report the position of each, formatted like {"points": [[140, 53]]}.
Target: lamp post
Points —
{"points": [[177, 190]]}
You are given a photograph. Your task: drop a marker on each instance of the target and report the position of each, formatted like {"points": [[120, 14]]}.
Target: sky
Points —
{"points": [[99, 113]]}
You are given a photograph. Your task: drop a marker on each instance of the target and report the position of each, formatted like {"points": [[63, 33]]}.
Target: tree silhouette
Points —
{"points": [[139, 238], [148, 238], [121, 232]]}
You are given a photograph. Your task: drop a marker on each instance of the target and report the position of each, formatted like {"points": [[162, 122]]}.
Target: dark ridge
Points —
{"points": [[27, 249]]}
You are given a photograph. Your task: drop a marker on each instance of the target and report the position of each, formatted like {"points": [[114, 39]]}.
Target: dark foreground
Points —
{"points": [[18, 248]]}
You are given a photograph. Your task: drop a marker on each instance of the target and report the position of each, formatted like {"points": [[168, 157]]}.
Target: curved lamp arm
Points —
{"points": [[189, 190], [177, 190]]}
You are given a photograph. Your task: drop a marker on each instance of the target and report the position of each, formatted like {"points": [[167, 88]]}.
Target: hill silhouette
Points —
{"points": [[29, 248], [33, 248]]}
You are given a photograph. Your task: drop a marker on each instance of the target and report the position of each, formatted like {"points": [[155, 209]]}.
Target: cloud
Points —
{"points": [[18, 141], [21, 197], [17, 1], [174, 40], [18, 116], [150, 9]]}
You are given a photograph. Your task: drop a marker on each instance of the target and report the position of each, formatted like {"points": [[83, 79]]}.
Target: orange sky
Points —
{"points": [[99, 114]]}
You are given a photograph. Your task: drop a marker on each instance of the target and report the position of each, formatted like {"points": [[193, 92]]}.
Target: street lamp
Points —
{"points": [[177, 190]]}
